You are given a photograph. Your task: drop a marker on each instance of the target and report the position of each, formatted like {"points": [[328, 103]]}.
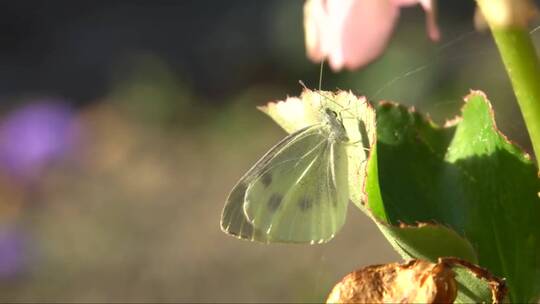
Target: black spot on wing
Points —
{"points": [[274, 202], [330, 112], [266, 179], [305, 203]]}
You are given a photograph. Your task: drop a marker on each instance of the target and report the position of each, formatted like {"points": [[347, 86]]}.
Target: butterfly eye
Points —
{"points": [[331, 113]]}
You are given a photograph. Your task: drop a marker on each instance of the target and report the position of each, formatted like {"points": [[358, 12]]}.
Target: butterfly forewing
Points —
{"points": [[233, 219], [295, 197]]}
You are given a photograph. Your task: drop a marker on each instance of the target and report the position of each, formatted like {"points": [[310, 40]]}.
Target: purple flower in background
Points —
{"points": [[33, 135], [13, 254]]}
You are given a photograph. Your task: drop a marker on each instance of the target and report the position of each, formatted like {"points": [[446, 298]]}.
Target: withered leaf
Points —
{"points": [[415, 281]]}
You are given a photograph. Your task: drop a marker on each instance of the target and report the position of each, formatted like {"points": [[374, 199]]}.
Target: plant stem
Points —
{"points": [[521, 63]]}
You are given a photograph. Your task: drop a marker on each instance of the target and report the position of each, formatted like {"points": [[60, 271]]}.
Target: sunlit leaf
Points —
{"points": [[466, 177]]}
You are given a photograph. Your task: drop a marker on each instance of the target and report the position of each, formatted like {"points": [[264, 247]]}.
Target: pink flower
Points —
{"points": [[351, 33]]}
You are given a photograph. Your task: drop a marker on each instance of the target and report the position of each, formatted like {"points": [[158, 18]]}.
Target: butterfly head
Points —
{"points": [[335, 124]]}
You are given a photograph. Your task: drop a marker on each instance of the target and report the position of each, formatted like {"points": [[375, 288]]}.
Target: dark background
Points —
{"points": [[68, 48]]}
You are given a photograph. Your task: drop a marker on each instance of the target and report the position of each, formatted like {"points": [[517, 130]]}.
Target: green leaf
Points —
{"points": [[466, 178], [476, 284], [412, 239]]}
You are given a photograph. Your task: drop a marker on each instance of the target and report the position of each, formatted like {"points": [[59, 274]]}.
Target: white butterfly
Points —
{"points": [[298, 191]]}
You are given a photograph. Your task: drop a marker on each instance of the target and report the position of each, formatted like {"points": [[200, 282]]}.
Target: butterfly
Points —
{"points": [[298, 191]]}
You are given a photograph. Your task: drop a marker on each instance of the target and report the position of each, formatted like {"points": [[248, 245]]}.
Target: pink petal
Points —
{"points": [[364, 31], [314, 23], [431, 18], [407, 2], [351, 33]]}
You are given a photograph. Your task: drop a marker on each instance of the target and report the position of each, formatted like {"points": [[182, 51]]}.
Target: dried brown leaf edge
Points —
{"points": [[415, 281]]}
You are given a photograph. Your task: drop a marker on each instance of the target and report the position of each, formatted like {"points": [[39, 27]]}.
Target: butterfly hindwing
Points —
{"points": [[294, 197]]}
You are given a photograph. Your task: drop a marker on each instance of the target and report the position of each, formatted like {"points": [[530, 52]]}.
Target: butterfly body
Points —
{"points": [[337, 132], [297, 192]]}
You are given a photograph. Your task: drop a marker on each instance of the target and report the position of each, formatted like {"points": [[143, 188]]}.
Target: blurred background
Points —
{"points": [[124, 124]]}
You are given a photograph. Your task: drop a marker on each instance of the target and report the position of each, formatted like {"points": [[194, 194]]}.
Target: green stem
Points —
{"points": [[523, 68]]}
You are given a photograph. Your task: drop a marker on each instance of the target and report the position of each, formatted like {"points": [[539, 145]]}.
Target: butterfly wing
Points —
{"points": [[302, 194], [292, 194], [233, 219]]}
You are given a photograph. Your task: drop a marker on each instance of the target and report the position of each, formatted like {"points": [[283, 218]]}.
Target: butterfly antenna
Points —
{"points": [[320, 74], [320, 77], [321, 70], [321, 96]]}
